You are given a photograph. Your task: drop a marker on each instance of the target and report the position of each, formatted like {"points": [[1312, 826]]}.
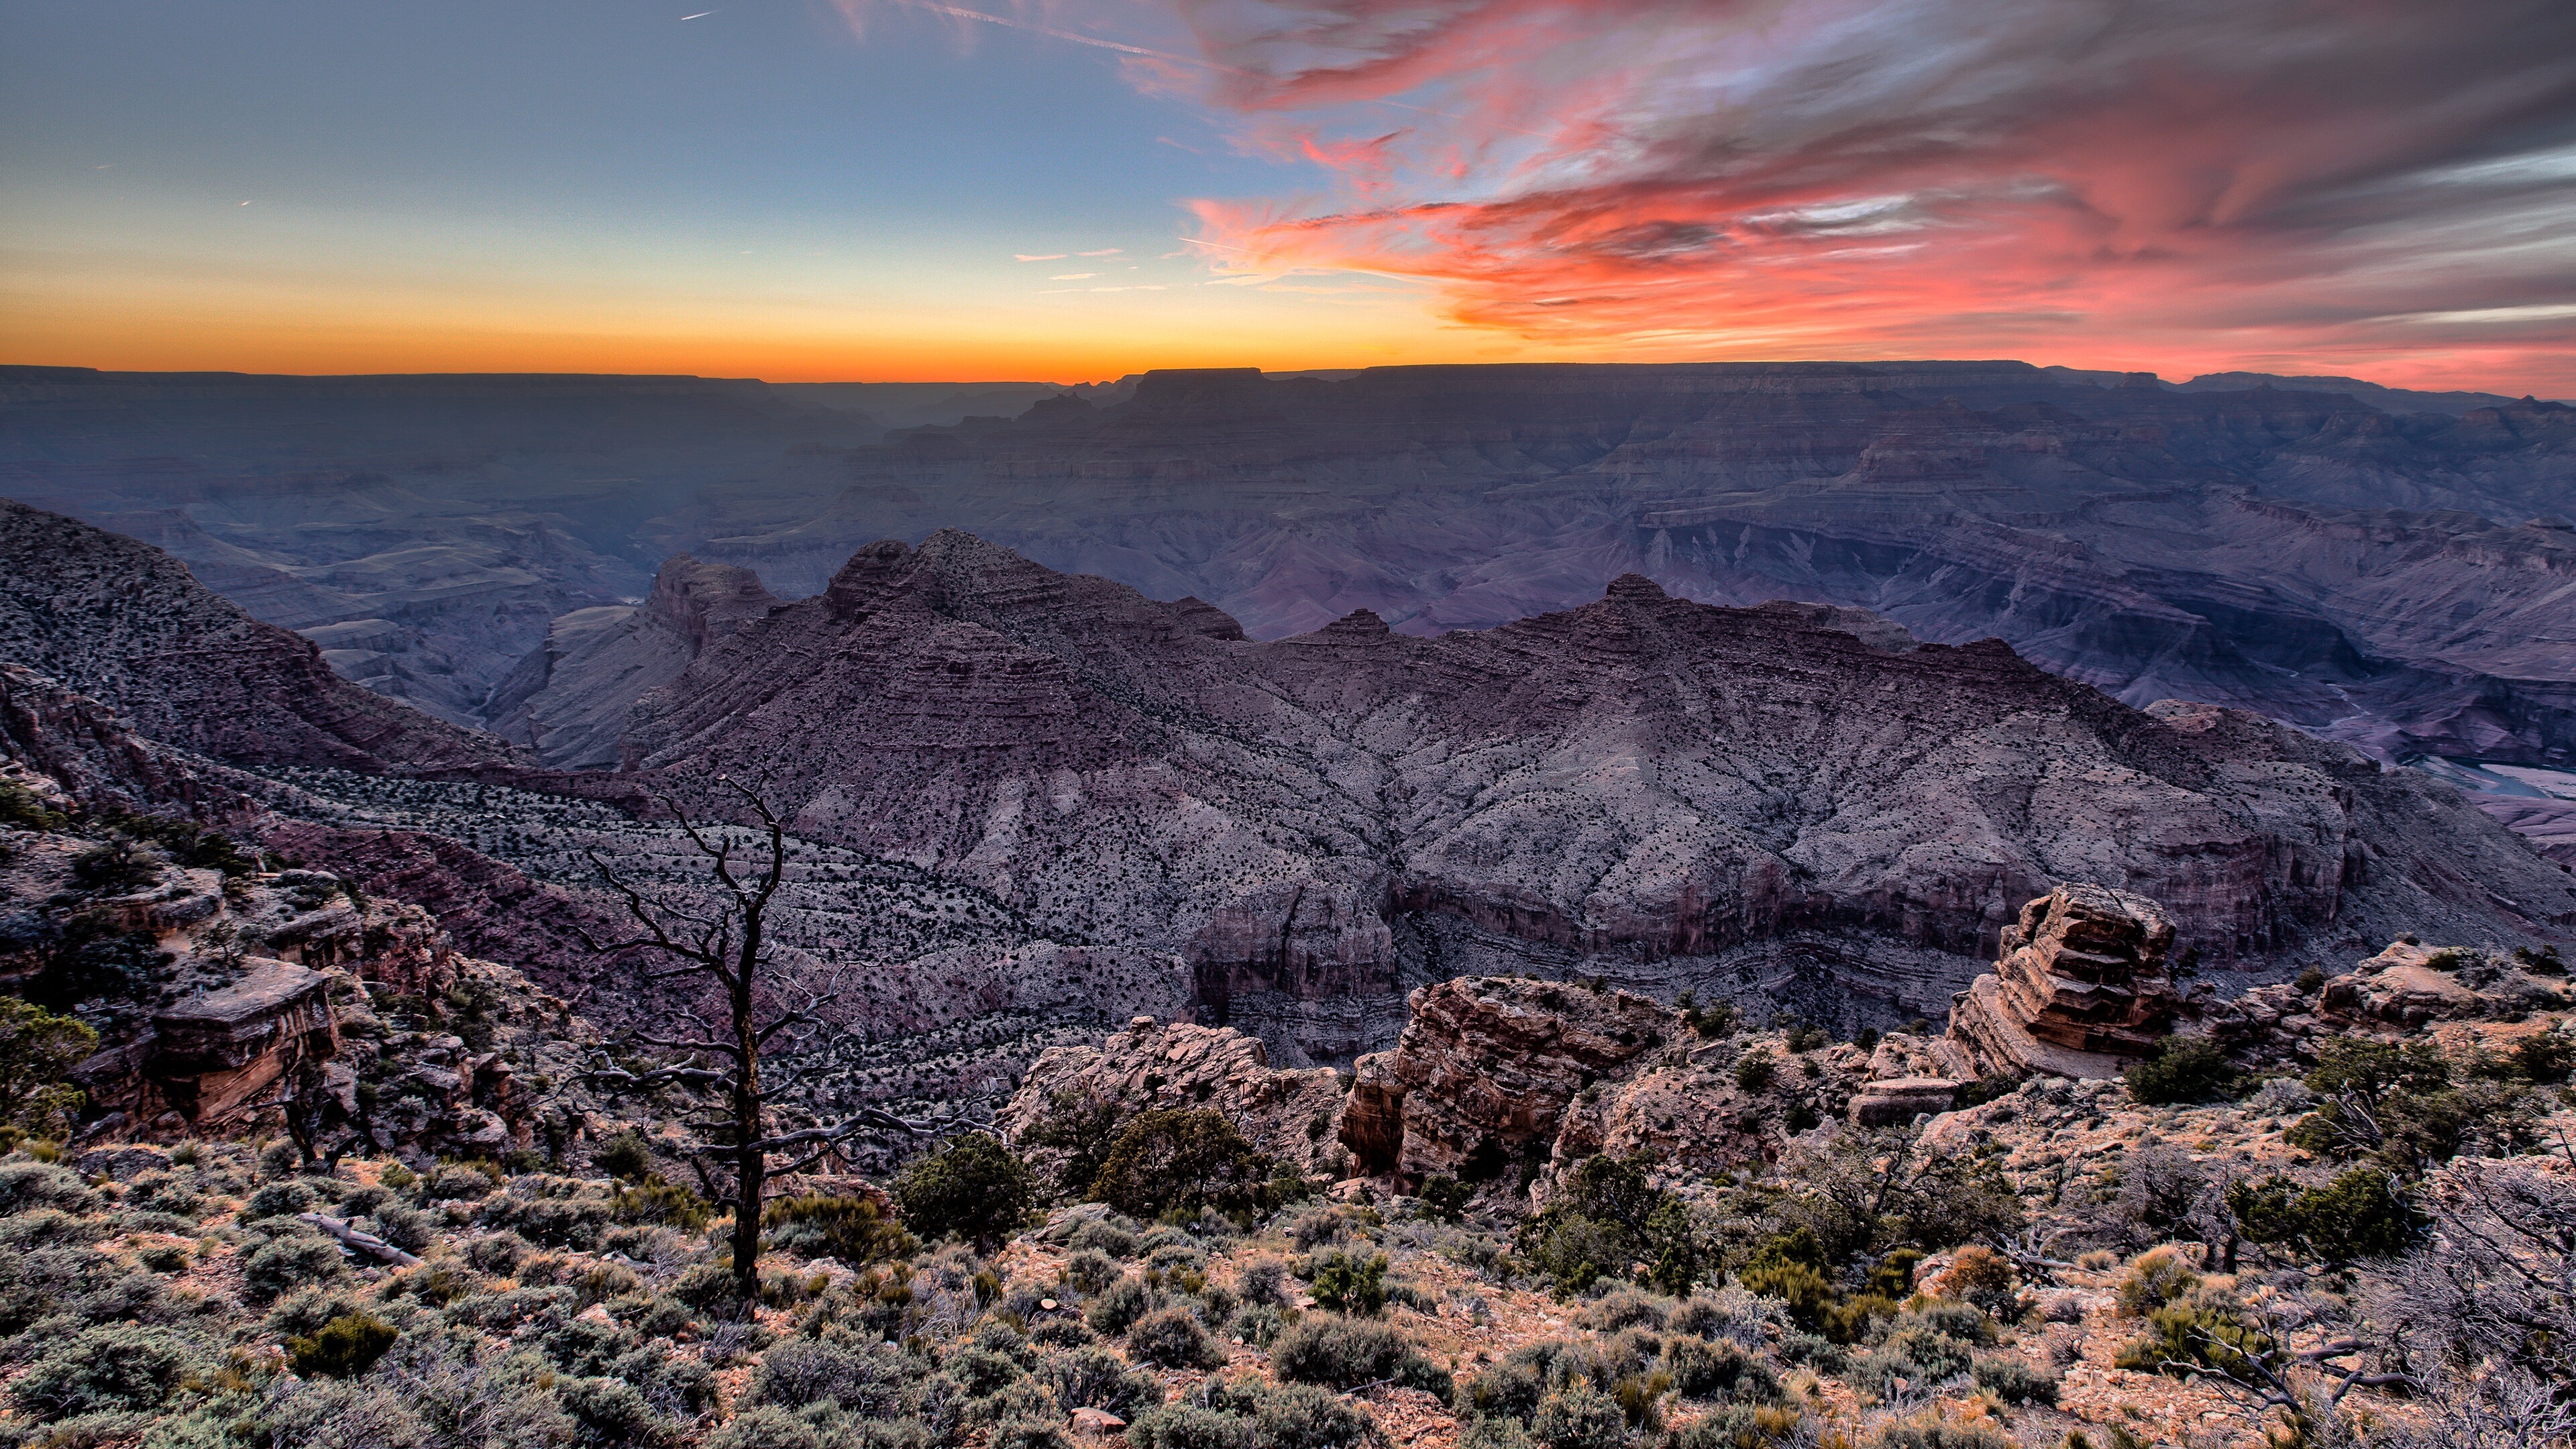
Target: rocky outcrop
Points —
{"points": [[1480, 1082], [1153, 1066], [2080, 989], [91, 756], [210, 1054], [569, 699], [2409, 985], [1678, 795], [129, 626]]}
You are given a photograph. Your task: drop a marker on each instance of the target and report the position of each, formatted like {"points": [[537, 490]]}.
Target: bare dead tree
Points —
{"points": [[728, 946]]}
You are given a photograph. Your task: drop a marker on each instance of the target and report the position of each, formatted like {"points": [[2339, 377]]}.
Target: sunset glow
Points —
{"points": [[845, 190]]}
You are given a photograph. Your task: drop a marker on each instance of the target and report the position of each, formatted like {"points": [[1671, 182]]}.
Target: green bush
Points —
{"points": [[1095, 1378], [1187, 1160], [2014, 1381], [852, 1231], [343, 1349], [115, 1368], [1119, 1305], [2160, 1276], [625, 1155], [802, 1371], [2364, 1213], [2184, 1069], [1755, 1070], [1806, 1292], [1736, 1426], [1445, 1197], [37, 1049], [278, 1200], [971, 1186], [1345, 1282], [1344, 1353], [1172, 1338], [1931, 1430], [1609, 1215], [296, 1261], [1579, 1416], [1703, 1370], [612, 1411]]}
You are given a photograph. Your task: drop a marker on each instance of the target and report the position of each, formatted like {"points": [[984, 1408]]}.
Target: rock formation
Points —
{"points": [[568, 700], [2304, 547], [127, 625], [1153, 1065], [1732, 801], [2080, 988], [1485, 1070]]}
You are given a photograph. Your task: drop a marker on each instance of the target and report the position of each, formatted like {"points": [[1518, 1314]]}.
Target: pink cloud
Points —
{"points": [[2374, 185]]}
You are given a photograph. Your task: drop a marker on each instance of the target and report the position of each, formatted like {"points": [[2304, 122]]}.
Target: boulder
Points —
{"points": [[2079, 988], [1153, 1065], [1485, 1070]]}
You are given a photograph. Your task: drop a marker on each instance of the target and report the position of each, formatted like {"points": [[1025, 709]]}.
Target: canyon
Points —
{"points": [[1019, 793], [2382, 567]]}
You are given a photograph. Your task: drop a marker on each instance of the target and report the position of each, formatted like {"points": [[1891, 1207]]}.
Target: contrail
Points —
{"points": [[1076, 37]]}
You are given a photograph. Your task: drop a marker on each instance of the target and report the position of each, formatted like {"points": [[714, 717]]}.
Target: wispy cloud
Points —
{"points": [[1039, 256], [1073, 276], [2336, 179]]}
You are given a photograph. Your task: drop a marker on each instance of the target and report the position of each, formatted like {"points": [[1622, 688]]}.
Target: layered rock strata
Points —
{"points": [[1152, 1066], [127, 625], [1643, 787], [2079, 990], [568, 699]]}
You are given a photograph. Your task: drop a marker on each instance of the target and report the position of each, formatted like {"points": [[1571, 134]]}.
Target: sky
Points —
{"points": [[912, 190]]}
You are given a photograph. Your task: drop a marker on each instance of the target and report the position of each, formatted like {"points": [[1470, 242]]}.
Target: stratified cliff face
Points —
{"points": [[128, 625], [1735, 800], [2386, 568], [2378, 577], [569, 698]]}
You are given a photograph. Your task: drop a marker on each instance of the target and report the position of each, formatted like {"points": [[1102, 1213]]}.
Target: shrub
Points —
{"points": [[1103, 1237], [1188, 1426], [116, 866], [1736, 1426], [278, 1200], [1347, 1283], [1120, 1305], [1805, 1291], [27, 1186], [613, 1411], [2184, 1069], [1579, 1416], [1611, 1214], [1704, 1370], [1445, 1197], [624, 1155], [805, 1371], [37, 1049], [1344, 1353], [1985, 1278], [1180, 1159], [971, 1186], [849, 1230], [2364, 1213], [115, 1368], [1805, 1038], [288, 1263], [2159, 1277], [343, 1349], [1623, 1308], [1931, 1430], [1089, 1270], [1755, 1070], [2014, 1381], [1260, 1282], [669, 1204], [1172, 1338], [1095, 1378]]}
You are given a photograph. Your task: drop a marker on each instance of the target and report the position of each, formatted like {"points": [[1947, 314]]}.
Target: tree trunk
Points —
{"points": [[751, 1164]]}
